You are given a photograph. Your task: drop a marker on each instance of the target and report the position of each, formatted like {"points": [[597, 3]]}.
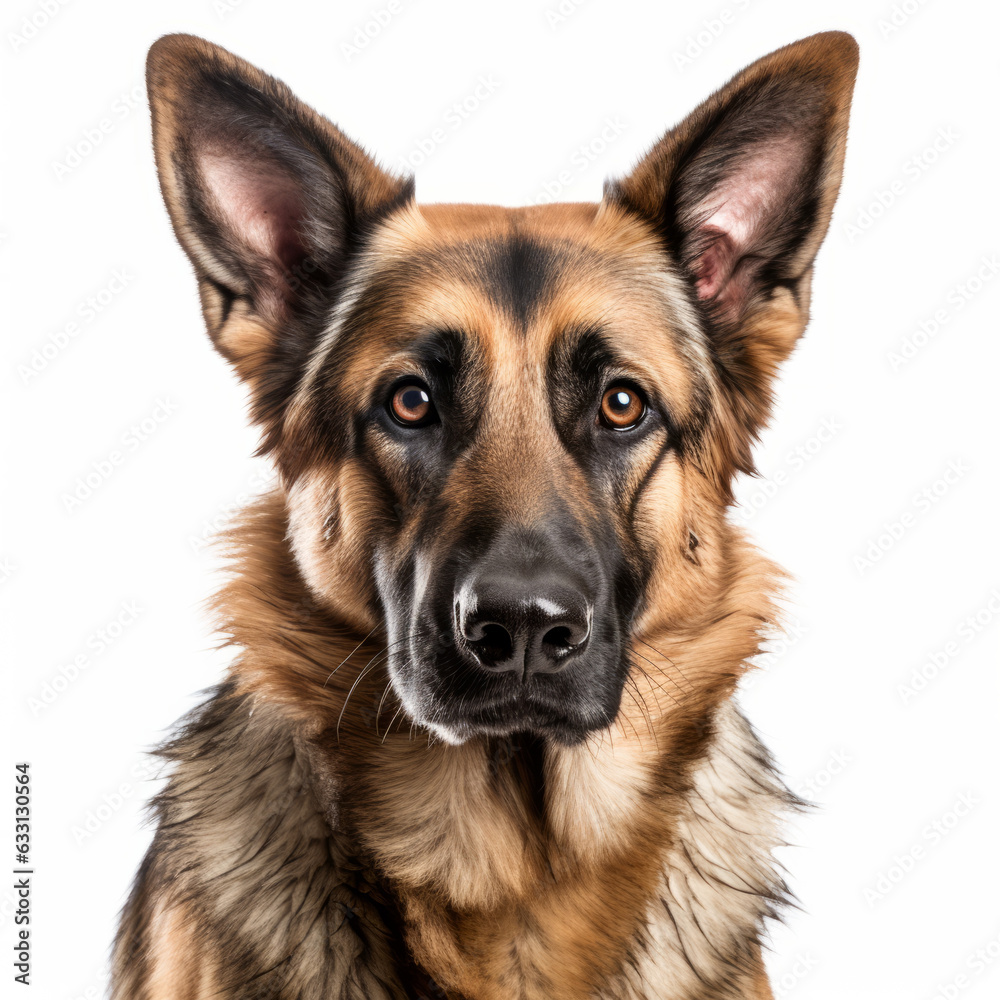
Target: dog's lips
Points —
{"points": [[523, 708]]}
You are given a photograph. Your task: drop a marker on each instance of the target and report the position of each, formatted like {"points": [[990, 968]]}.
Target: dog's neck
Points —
{"points": [[637, 863], [634, 875]]}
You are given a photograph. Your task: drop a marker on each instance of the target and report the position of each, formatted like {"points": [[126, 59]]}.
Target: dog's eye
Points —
{"points": [[621, 408], [411, 405]]}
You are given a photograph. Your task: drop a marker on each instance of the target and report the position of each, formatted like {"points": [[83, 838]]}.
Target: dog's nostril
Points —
{"points": [[491, 643], [558, 640]]}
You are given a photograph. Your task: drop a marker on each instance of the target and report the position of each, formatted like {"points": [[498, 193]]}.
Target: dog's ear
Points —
{"points": [[741, 192], [268, 199]]}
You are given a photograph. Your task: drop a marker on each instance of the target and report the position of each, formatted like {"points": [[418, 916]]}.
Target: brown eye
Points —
{"points": [[411, 405], [621, 408]]}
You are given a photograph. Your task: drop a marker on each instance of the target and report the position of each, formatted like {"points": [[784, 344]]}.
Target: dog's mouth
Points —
{"points": [[525, 711], [456, 707]]}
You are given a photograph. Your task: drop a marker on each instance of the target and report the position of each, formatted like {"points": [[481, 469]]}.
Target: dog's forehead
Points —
{"points": [[515, 281], [501, 267], [517, 263]]}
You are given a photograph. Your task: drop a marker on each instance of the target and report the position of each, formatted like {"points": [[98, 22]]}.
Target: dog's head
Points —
{"points": [[506, 437]]}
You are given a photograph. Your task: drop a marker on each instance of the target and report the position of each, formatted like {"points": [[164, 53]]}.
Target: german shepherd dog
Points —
{"points": [[480, 740]]}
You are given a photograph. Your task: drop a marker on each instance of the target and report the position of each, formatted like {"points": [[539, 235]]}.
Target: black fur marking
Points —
{"points": [[516, 272], [689, 552]]}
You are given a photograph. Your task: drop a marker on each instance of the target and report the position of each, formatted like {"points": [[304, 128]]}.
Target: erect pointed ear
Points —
{"points": [[268, 198], [743, 189]]}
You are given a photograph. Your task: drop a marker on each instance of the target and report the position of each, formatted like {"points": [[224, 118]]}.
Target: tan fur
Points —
{"points": [[174, 974]]}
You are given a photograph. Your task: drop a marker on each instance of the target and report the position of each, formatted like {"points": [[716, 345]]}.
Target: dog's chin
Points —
{"points": [[502, 721]]}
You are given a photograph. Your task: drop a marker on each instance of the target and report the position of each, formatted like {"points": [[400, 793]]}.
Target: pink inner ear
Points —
{"points": [[261, 208], [715, 263], [738, 213]]}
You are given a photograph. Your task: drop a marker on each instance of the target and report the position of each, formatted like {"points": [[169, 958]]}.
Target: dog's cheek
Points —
{"points": [[332, 517], [679, 531]]}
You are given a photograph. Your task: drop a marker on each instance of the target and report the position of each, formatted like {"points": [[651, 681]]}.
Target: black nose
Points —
{"points": [[532, 623]]}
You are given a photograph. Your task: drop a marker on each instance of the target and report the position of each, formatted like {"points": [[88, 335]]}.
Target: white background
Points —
{"points": [[891, 907]]}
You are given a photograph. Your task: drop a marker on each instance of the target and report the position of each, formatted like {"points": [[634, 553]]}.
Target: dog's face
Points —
{"points": [[502, 393], [506, 436]]}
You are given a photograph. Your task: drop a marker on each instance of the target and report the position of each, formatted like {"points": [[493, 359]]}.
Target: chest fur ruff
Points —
{"points": [[719, 881], [625, 889]]}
